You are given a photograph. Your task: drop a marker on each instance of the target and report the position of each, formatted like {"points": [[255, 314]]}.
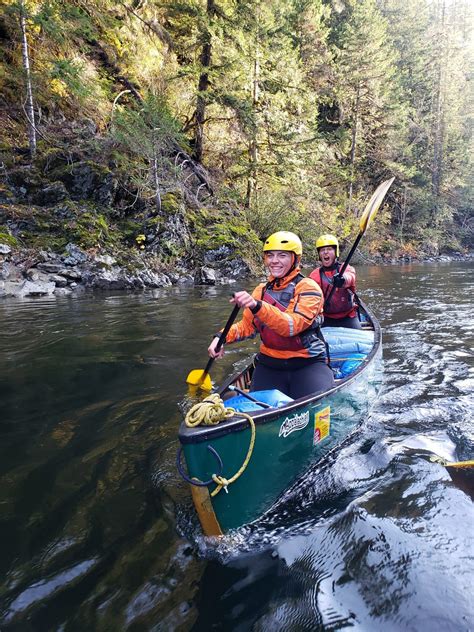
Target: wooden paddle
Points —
{"points": [[200, 378], [461, 464], [461, 473], [367, 218]]}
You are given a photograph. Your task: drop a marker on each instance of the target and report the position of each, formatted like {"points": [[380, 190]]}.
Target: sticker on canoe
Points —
{"points": [[297, 422], [322, 421]]}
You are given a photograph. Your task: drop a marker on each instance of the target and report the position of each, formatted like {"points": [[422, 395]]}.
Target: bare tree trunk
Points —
{"points": [[156, 180], [252, 180], [438, 111], [403, 213], [29, 106], [203, 86], [354, 146]]}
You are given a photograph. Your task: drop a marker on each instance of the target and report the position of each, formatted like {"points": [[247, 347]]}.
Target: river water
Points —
{"points": [[97, 531]]}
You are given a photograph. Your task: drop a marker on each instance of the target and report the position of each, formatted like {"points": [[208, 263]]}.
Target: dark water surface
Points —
{"points": [[97, 531]]}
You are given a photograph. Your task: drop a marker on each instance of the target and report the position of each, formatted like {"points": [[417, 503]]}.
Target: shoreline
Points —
{"points": [[29, 273], [445, 258]]}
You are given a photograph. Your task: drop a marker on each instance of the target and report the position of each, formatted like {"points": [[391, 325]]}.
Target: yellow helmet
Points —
{"points": [[284, 240], [327, 240]]}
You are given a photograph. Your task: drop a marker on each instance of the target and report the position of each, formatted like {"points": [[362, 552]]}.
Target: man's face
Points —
{"points": [[327, 255]]}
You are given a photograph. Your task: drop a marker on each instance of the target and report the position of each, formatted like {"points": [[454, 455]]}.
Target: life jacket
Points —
{"points": [[310, 339], [342, 299]]}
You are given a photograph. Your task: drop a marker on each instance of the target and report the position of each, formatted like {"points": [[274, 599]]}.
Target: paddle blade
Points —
{"points": [[198, 377], [373, 204]]}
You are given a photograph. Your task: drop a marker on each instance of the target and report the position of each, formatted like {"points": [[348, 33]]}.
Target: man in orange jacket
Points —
{"points": [[340, 308], [285, 311]]}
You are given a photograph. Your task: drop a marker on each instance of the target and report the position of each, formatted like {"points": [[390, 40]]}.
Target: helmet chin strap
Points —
{"points": [[296, 261]]}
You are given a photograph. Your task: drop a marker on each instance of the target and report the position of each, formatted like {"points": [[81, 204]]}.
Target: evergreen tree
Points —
{"points": [[435, 54], [367, 89], [149, 133]]}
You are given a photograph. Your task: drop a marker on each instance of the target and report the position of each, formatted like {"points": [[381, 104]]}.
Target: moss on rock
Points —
{"points": [[7, 238], [214, 228], [171, 203]]}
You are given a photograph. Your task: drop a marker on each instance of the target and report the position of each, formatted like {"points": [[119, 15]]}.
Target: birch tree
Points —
{"points": [[28, 105]]}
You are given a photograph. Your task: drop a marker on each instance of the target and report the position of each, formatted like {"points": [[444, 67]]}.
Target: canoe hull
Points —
{"points": [[284, 448], [288, 440]]}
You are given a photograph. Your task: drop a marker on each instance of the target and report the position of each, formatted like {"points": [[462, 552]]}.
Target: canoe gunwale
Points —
{"points": [[237, 423]]}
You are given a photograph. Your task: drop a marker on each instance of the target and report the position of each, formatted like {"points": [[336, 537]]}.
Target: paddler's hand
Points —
{"points": [[212, 349], [244, 299]]}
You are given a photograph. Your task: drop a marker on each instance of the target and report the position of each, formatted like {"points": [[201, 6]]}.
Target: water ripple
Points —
{"points": [[99, 532]]}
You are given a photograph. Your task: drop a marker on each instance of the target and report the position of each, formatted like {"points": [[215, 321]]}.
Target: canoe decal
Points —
{"points": [[322, 421], [297, 422]]}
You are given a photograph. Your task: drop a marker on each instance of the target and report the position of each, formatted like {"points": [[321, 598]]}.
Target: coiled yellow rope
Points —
{"points": [[210, 412]]}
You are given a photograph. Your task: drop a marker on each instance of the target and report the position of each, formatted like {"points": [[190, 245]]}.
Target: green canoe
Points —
{"points": [[288, 437]]}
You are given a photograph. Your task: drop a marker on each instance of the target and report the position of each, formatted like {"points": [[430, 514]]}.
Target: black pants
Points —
{"points": [[348, 321], [294, 382]]}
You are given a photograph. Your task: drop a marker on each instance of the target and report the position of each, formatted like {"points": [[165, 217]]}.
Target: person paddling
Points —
{"points": [[286, 312], [340, 308]]}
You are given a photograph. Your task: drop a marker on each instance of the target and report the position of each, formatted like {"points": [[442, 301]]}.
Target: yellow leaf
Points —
{"points": [[59, 88]]}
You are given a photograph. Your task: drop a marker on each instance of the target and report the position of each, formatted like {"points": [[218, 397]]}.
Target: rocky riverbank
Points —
{"points": [[404, 260], [68, 223], [39, 273]]}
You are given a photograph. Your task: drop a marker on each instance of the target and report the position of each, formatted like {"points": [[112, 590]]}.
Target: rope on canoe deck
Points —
{"points": [[210, 412]]}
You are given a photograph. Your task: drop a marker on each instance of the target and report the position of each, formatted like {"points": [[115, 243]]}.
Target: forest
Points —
{"points": [[182, 132]]}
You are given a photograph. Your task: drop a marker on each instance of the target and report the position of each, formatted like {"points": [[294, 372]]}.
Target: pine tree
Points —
{"points": [[366, 66], [435, 53], [149, 133]]}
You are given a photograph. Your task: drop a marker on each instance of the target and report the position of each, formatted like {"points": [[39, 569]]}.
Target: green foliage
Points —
{"points": [[306, 103], [276, 211], [147, 129], [7, 238], [213, 228], [91, 230], [85, 225], [171, 203], [129, 230], [70, 73], [48, 20], [151, 134]]}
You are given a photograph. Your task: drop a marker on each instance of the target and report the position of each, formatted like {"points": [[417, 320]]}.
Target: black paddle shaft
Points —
{"points": [[222, 337], [250, 397], [346, 262], [367, 216]]}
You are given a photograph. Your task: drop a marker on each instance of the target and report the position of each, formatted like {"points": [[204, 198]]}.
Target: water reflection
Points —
{"points": [[98, 531]]}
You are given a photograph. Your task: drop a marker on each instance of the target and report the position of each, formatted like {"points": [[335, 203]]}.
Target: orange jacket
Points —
{"points": [[304, 307], [342, 298]]}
